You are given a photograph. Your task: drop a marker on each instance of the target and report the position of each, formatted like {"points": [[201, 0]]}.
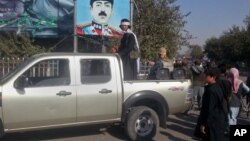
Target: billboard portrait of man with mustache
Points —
{"points": [[101, 11]]}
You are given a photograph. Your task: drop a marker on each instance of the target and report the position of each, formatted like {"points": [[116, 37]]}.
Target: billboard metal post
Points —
{"points": [[75, 33], [131, 13]]}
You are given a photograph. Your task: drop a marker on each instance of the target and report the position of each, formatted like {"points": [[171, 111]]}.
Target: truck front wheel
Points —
{"points": [[142, 123]]}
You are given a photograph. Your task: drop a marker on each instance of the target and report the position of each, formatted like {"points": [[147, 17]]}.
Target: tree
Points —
{"points": [[196, 51], [159, 23], [12, 45], [247, 22], [232, 46], [232, 43], [213, 49]]}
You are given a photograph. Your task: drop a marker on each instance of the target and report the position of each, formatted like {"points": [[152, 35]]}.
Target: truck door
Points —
{"points": [[48, 96], [97, 89]]}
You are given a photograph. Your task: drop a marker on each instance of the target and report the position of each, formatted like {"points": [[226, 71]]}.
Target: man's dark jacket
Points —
{"points": [[213, 114]]}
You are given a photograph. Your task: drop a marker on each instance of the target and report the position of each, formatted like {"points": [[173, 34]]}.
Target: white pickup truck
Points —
{"points": [[55, 90]]}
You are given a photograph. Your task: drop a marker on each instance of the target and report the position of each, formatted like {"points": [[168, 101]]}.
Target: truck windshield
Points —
{"points": [[8, 76]]}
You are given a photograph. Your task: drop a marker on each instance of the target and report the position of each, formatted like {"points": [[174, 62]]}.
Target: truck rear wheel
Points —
{"points": [[142, 123]]}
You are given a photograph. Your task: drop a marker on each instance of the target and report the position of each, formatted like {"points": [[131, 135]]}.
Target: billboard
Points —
{"points": [[38, 18], [101, 17]]}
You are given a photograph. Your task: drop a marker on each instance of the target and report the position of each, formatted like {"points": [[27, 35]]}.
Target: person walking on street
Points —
{"points": [[225, 84], [213, 119], [198, 83], [239, 88], [188, 73]]}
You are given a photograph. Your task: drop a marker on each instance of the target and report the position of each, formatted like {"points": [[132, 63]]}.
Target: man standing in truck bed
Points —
{"points": [[129, 44]]}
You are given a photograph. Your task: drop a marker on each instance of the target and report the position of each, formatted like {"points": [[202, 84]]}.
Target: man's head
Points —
{"points": [[211, 75], [223, 68], [184, 62], [101, 10], [197, 62], [113, 49], [125, 24], [162, 53]]}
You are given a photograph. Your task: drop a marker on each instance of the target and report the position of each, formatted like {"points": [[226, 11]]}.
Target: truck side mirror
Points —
{"points": [[20, 82]]}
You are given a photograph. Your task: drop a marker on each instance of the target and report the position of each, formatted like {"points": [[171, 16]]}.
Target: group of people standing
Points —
{"points": [[220, 103], [217, 90]]}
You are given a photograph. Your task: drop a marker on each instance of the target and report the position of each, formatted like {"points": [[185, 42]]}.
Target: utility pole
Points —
{"points": [[75, 34], [131, 13]]}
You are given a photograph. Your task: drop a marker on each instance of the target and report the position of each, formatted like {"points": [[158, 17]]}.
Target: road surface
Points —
{"points": [[180, 128]]}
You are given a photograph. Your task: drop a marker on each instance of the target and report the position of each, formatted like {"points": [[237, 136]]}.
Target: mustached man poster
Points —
{"points": [[101, 17]]}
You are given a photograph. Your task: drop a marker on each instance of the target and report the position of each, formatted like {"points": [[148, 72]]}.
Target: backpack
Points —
{"points": [[134, 54], [179, 73], [162, 74]]}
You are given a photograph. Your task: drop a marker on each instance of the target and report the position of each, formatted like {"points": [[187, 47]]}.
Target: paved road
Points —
{"points": [[180, 128]]}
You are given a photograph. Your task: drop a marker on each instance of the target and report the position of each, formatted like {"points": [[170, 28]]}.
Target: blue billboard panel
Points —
{"points": [[38, 18], [101, 17]]}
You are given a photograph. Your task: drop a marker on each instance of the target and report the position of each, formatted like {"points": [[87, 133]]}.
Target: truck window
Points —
{"points": [[95, 71], [51, 72]]}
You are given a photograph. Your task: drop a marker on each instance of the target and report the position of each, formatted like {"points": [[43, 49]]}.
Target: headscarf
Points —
{"points": [[125, 22], [234, 77]]}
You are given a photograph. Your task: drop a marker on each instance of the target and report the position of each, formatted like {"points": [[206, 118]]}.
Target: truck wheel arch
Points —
{"points": [[152, 99]]}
